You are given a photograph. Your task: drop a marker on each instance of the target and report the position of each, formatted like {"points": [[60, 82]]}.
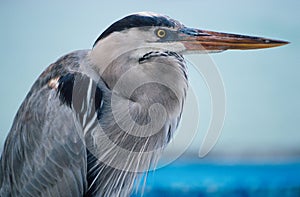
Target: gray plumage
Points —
{"points": [[45, 152], [58, 143], [95, 120]]}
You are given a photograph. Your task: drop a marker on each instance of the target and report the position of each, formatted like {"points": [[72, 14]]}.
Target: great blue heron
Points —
{"points": [[96, 119]]}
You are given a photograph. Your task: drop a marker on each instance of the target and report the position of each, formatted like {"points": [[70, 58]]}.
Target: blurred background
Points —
{"points": [[258, 152]]}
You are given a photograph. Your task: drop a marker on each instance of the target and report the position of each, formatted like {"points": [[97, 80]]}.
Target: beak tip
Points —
{"points": [[285, 42], [275, 43], [278, 41]]}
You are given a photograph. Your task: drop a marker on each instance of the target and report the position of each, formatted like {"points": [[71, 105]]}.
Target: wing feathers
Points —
{"points": [[45, 152]]}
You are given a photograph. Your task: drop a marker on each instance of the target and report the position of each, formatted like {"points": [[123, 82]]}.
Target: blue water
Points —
{"points": [[239, 180]]}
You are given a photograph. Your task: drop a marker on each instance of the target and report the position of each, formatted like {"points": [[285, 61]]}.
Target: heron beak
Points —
{"points": [[199, 40]]}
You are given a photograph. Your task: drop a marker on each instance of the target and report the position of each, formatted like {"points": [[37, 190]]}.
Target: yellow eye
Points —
{"points": [[161, 33]]}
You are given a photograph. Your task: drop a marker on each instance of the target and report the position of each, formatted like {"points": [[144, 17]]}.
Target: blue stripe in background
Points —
{"points": [[233, 180]]}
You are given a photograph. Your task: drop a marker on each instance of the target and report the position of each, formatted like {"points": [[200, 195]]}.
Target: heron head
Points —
{"points": [[150, 30]]}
